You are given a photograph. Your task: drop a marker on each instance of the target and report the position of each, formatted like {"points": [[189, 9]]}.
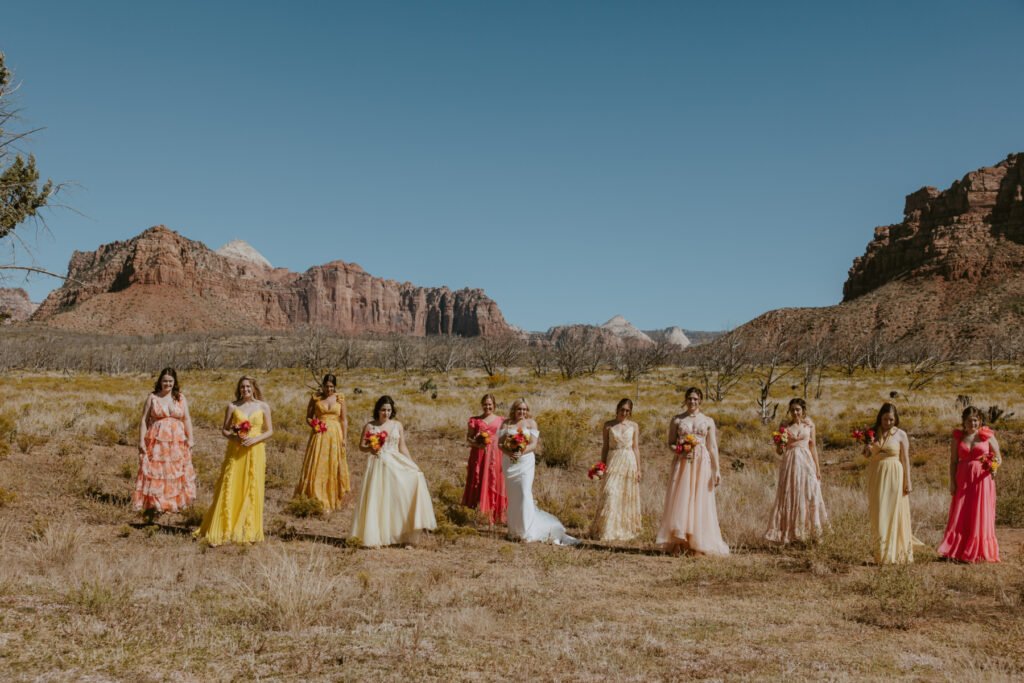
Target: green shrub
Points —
{"points": [[301, 506], [836, 439], [8, 428], [428, 385], [128, 471], [564, 433]]}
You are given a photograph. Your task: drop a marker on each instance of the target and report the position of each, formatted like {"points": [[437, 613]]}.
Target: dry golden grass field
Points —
{"points": [[88, 592]]}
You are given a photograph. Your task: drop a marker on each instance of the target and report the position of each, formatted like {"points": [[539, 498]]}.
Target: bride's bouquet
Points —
{"points": [[515, 443], [375, 440]]}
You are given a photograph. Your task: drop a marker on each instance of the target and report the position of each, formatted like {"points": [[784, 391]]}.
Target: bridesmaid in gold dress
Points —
{"points": [[618, 510], [325, 469], [236, 513], [690, 521], [889, 490]]}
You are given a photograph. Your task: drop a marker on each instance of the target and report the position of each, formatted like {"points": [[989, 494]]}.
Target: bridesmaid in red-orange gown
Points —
{"points": [[485, 484], [971, 531]]}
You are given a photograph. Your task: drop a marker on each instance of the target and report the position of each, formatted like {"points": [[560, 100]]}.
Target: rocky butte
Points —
{"points": [[15, 304], [949, 277], [161, 282]]}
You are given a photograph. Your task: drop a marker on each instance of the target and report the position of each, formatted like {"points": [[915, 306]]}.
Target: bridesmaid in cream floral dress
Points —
{"points": [[690, 521], [618, 510], [799, 511]]}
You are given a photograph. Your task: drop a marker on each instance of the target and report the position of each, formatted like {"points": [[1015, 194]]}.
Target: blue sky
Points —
{"points": [[690, 164]]}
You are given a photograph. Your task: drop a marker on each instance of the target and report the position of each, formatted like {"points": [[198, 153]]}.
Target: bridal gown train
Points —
{"points": [[525, 520]]}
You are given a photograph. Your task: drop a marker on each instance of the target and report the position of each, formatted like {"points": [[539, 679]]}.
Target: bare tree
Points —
{"points": [[927, 361], [444, 353], [494, 354], [635, 360], [540, 359], [722, 364], [814, 357], [771, 363], [578, 350], [400, 354]]}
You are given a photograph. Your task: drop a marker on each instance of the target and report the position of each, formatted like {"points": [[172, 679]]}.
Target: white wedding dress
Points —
{"points": [[525, 521]]}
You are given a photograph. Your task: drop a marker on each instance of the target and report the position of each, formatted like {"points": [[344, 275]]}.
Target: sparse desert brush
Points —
{"points": [[28, 442], [5, 449], [7, 497], [302, 506], [54, 543], [898, 596], [564, 435], [106, 435], [1010, 493], [8, 427], [101, 597]]}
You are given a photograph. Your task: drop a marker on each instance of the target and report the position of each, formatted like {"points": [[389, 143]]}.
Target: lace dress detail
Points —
{"points": [[618, 510]]}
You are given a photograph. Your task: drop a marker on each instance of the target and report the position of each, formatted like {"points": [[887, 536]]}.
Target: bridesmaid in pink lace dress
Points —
{"points": [[485, 484], [971, 531], [690, 521], [166, 480], [799, 511]]}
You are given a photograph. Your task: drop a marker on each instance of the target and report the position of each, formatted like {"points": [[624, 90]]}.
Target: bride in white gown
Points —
{"points": [[525, 521]]}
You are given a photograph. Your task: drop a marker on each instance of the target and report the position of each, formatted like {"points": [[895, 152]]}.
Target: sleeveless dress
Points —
{"points": [[971, 531], [394, 504], [691, 517], [325, 469], [525, 521], [799, 511], [618, 509], [485, 484], [236, 513], [888, 506], [166, 479]]}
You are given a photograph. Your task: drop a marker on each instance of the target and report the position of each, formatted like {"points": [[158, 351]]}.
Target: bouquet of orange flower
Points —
{"points": [[686, 444], [781, 437], [516, 442], [319, 426], [375, 440], [483, 437], [865, 436], [241, 430], [597, 471], [990, 464]]}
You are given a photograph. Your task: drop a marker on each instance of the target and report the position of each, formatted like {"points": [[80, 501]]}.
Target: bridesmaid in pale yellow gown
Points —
{"points": [[236, 513], [618, 510], [889, 490], [325, 469]]}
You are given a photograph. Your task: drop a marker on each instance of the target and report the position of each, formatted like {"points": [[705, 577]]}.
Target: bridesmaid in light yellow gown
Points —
{"points": [[618, 510], [324, 469], [394, 504], [236, 513], [889, 490]]}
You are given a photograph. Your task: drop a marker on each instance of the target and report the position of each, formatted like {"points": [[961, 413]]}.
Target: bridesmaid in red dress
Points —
{"points": [[485, 485], [971, 531]]}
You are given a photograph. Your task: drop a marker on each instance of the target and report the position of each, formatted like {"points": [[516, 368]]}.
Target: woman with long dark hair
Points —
{"points": [[324, 469], [618, 510], [799, 511], [166, 481], [889, 489]]}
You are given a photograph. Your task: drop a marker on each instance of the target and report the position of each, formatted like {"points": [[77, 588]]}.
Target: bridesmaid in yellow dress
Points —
{"points": [[889, 490], [236, 513], [618, 510], [325, 469]]}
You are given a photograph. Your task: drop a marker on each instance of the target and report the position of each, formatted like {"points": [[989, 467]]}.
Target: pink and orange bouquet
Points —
{"points": [[375, 440], [990, 464], [483, 437], [319, 426], [515, 443], [241, 430], [865, 436], [781, 437], [686, 444], [597, 471]]}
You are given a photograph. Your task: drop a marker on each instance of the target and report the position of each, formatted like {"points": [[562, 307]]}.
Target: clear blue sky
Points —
{"points": [[690, 164]]}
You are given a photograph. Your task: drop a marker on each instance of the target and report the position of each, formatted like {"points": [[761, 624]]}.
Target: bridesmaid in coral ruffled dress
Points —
{"points": [[618, 510], [485, 484], [166, 480], [236, 513], [799, 511], [889, 490], [324, 469], [973, 459], [690, 521]]}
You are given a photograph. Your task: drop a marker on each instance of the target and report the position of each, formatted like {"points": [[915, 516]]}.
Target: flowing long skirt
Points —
{"points": [[236, 513], [690, 520], [485, 484], [799, 511], [889, 512], [525, 520], [166, 479], [971, 531], [618, 510], [325, 469], [394, 504]]}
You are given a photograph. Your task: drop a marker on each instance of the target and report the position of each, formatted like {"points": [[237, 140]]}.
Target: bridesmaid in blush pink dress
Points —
{"points": [[799, 511], [485, 484], [690, 521], [971, 531]]}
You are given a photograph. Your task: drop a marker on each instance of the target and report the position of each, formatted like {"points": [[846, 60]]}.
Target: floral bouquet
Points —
{"points": [[483, 437], [319, 426], [597, 471], [686, 445], [241, 430], [990, 464], [375, 440], [865, 436], [516, 442], [781, 437]]}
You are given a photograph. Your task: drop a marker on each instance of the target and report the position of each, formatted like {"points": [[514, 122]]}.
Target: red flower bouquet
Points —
{"points": [[865, 436], [686, 444], [516, 442], [319, 426], [781, 437], [241, 430], [597, 471], [375, 440]]}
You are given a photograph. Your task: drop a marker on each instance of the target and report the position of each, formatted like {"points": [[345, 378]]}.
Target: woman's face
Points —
{"points": [[328, 388], [488, 406], [384, 412], [166, 383], [796, 412], [692, 403], [972, 424], [623, 413], [888, 421], [522, 412], [245, 389]]}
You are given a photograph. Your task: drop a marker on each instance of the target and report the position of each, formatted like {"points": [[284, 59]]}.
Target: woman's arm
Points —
{"points": [[364, 445], [636, 448], [604, 443], [225, 429], [189, 434], [534, 438], [471, 434], [713, 450], [143, 426], [905, 459], [779, 448], [673, 435], [402, 447], [343, 419], [994, 447], [814, 449]]}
